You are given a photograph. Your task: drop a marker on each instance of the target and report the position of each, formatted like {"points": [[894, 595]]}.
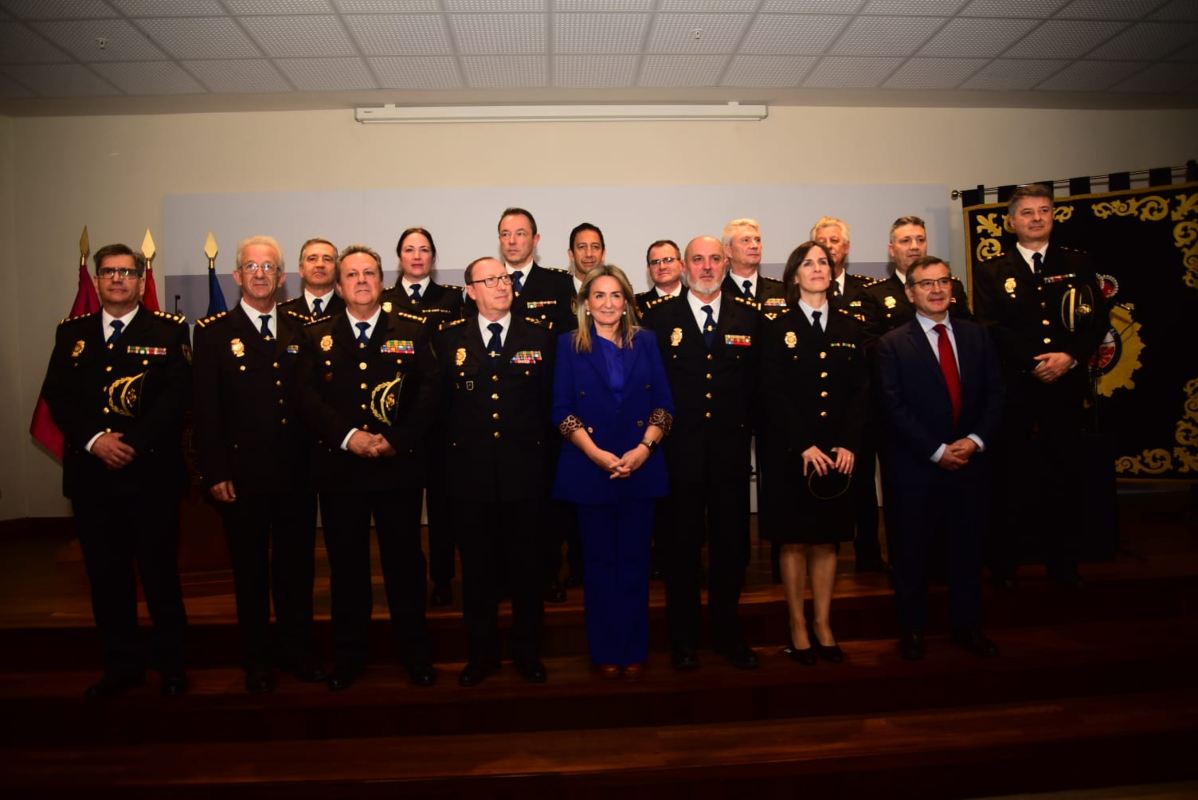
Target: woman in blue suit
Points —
{"points": [[612, 403]]}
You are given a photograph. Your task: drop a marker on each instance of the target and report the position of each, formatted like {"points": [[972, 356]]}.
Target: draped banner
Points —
{"points": [[1144, 243]]}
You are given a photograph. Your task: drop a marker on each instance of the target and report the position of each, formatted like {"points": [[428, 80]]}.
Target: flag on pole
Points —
{"points": [[149, 298], [216, 298]]}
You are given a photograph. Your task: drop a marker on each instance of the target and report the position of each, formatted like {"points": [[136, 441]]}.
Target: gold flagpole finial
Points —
{"points": [[147, 247], [210, 250], [85, 248]]}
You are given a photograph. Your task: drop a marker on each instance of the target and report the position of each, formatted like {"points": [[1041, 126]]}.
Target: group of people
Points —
{"points": [[536, 407]]}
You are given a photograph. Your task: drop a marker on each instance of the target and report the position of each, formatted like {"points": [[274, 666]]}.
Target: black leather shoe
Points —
{"points": [[829, 652], [441, 596], [911, 645], [875, 564], [973, 640], [342, 679], [573, 581], [684, 659], [309, 673], [533, 671], [422, 674], [475, 673], [113, 685], [259, 681], [174, 684], [555, 593], [805, 657], [741, 656], [1004, 583]]}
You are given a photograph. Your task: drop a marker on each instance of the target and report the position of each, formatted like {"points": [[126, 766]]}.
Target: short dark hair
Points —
{"points": [[513, 211], [118, 249], [923, 262], [661, 242], [792, 266], [431, 244], [352, 250], [909, 219], [1030, 190], [579, 228], [469, 274]]}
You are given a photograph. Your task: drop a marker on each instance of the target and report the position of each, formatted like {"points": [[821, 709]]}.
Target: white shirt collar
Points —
{"points": [[823, 313], [697, 308], [353, 322], [505, 321], [422, 283], [107, 319], [255, 317], [1027, 252], [324, 299]]}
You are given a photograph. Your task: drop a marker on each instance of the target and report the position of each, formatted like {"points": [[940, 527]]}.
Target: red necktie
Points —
{"points": [[948, 367]]}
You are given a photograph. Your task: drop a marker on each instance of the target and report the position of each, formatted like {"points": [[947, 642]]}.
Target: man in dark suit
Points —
{"points": [[942, 392], [1042, 303], [664, 262], [587, 251], [498, 372], [742, 249], [252, 453], [118, 385], [368, 384], [708, 341], [317, 266]]}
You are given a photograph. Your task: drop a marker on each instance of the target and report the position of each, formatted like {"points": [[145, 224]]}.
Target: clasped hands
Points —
{"points": [[821, 462], [369, 445], [1052, 366], [111, 449], [620, 466], [957, 454]]}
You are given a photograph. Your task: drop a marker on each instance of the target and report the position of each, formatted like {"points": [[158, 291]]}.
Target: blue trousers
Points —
{"points": [[616, 557]]}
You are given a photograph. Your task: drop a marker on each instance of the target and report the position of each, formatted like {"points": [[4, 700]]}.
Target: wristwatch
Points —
{"points": [[649, 443]]}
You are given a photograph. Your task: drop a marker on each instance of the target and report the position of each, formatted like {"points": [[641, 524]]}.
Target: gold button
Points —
{"points": [[823, 413], [283, 421], [707, 414], [363, 406], [708, 376], [494, 379], [105, 411], [145, 362], [242, 368], [328, 363], [495, 395], [365, 427], [108, 369], [710, 357], [275, 365], [708, 395], [823, 374], [1043, 305], [590, 430], [280, 401], [823, 394], [363, 386], [496, 434], [1047, 340], [495, 415], [823, 354], [1044, 322], [361, 365], [278, 383]]}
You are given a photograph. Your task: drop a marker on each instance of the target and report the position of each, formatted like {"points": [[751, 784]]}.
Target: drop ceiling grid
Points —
{"points": [[594, 71], [976, 37], [399, 34], [792, 34], [61, 80], [240, 75], [327, 74], [599, 33], [199, 37], [149, 78], [1091, 76], [681, 70], [300, 36], [1146, 38], [1160, 78], [772, 71], [79, 38], [498, 34], [417, 72], [1012, 75], [719, 33], [21, 45], [934, 73], [504, 72]]}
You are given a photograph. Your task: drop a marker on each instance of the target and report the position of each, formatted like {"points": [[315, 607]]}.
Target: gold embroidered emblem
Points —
{"points": [[79, 345], [791, 340], [890, 302], [237, 348], [387, 306], [675, 337], [459, 358], [326, 343], [1009, 286]]}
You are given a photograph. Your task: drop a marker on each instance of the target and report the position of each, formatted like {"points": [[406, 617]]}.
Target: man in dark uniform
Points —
{"points": [[252, 452], [847, 288], [498, 372], [742, 249], [118, 385], [417, 293], [1041, 301], [708, 342], [368, 385], [317, 297], [664, 261]]}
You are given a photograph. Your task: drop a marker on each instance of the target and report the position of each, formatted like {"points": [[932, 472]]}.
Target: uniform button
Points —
{"points": [[328, 363], [275, 365], [283, 421], [1047, 340], [495, 395], [365, 427], [708, 395], [1044, 305], [823, 394], [640, 423], [710, 357], [495, 415], [496, 434], [145, 362], [823, 413], [590, 430], [823, 354], [242, 368], [363, 386], [708, 376], [823, 374], [280, 401], [361, 365], [278, 383], [108, 369], [104, 411], [1044, 322], [494, 379], [363, 406], [707, 414]]}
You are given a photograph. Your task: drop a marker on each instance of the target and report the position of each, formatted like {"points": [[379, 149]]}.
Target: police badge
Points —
{"points": [[326, 343], [459, 357], [237, 348], [675, 337]]}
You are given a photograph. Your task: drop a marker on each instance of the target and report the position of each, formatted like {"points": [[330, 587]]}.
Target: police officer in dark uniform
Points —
{"points": [[1041, 301], [708, 342], [368, 385], [317, 297], [118, 385], [664, 262], [252, 452], [847, 289], [498, 372], [742, 248]]}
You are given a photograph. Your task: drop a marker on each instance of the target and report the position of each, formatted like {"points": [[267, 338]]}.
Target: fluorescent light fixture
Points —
{"points": [[588, 113]]}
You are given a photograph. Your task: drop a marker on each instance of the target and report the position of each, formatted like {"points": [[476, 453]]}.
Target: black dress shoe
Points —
{"points": [[259, 681], [573, 581], [875, 564], [342, 679], [741, 656], [422, 674], [475, 673], [555, 593], [806, 657], [828, 652], [309, 673], [113, 685], [441, 596], [911, 645], [1004, 583], [684, 659], [973, 640], [174, 684], [533, 671]]}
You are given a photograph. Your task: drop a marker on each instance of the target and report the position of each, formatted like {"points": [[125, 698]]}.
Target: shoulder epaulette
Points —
{"points": [[172, 317], [654, 303], [781, 311], [767, 279], [744, 301], [316, 321], [453, 286], [1070, 249], [65, 320], [208, 320], [547, 324], [406, 315], [298, 315], [453, 323], [555, 269], [874, 282]]}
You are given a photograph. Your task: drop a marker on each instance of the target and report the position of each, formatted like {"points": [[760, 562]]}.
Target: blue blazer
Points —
{"points": [[581, 388]]}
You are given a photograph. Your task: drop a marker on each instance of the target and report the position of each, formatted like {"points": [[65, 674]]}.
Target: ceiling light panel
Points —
{"points": [[206, 37], [1090, 76], [1013, 75], [768, 71], [934, 73], [983, 38], [150, 78], [716, 33], [400, 34], [1064, 39], [682, 70], [791, 34], [293, 36], [599, 33], [238, 76], [504, 72], [594, 71], [122, 42], [169, 8], [886, 36], [58, 9], [61, 80], [20, 45], [326, 74], [423, 72], [499, 33], [1146, 40], [834, 72]]}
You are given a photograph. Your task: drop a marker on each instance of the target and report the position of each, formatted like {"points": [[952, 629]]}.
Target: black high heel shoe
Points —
{"points": [[828, 652], [805, 657]]}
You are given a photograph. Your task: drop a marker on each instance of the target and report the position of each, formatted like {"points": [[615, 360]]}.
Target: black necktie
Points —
{"points": [[1037, 264], [415, 293], [265, 324], [117, 325], [708, 327], [517, 281], [495, 345], [316, 310], [747, 289], [815, 315], [363, 339]]}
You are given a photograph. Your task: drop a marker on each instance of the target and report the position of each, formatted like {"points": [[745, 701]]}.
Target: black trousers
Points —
{"points": [[346, 517], [441, 542], [272, 541], [498, 540], [121, 538], [715, 512], [560, 526]]}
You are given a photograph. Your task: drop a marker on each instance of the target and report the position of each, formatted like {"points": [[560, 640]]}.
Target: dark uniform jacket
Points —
{"points": [[498, 441], [853, 299], [714, 393], [247, 428], [887, 307], [390, 386], [771, 292], [546, 294], [439, 304], [139, 386], [333, 305], [644, 298]]}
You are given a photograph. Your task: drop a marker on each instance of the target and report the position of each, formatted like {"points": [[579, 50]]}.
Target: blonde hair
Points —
{"points": [[744, 222], [832, 222], [266, 241], [629, 322]]}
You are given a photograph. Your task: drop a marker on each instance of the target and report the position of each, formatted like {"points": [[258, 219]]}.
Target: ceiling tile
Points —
{"points": [[20, 45], [400, 34], [1185, 54], [493, 6], [326, 74], [886, 36], [768, 71], [504, 72], [419, 72], [1177, 10], [934, 73], [1090, 76], [58, 9], [719, 6], [968, 37], [833, 72], [1012, 8], [238, 75], [599, 33], [169, 8], [719, 33], [791, 34], [124, 42], [1161, 78], [812, 6], [268, 7], [386, 6], [150, 77], [681, 70], [10, 89], [282, 37], [1009, 74], [499, 33], [604, 5], [1107, 9], [203, 37], [1064, 39], [60, 80], [918, 8], [1147, 39], [594, 72]]}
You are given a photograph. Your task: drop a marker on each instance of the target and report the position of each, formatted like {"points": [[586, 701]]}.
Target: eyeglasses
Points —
{"points": [[266, 268], [112, 272], [494, 281], [667, 261], [927, 284]]}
